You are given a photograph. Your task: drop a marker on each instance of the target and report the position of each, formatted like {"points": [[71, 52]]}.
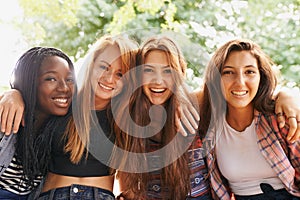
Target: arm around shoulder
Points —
{"points": [[11, 111]]}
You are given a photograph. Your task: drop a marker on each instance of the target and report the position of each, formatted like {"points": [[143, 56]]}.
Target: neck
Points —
{"points": [[101, 104], [40, 118], [240, 118]]}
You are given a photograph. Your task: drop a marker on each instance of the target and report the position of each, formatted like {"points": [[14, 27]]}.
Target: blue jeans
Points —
{"points": [[202, 197], [269, 193], [6, 195], [77, 192]]}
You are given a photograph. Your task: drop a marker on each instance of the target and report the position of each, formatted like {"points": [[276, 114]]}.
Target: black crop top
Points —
{"points": [[87, 167]]}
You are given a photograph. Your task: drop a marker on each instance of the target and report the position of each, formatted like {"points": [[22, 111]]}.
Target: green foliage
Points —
{"points": [[3, 89], [201, 26]]}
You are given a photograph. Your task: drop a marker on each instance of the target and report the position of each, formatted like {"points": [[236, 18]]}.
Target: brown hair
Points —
{"points": [[176, 176], [213, 98]]}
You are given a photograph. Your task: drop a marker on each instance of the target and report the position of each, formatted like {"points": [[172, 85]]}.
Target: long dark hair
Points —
{"points": [[30, 147]]}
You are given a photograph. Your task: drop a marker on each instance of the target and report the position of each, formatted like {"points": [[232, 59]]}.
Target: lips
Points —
{"points": [[158, 90], [105, 87], [239, 93], [61, 101]]}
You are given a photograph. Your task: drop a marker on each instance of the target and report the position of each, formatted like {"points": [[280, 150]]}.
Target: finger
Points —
{"points": [[280, 119], [187, 126], [296, 136], [189, 120], [10, 121], [180, 128], [292, 127], [297, 133], [1, 111], [195, 113], [17, 121], [4, 120]]}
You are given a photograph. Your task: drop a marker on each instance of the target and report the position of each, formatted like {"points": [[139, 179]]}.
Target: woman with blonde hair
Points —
{"points": [[75, 170]]}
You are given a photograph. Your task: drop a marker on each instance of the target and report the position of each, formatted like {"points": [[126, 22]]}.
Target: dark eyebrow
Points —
{"points": [[48, 72], [52, 72], [247, 66]]}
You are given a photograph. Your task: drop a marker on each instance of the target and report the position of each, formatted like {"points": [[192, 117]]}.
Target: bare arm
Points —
{"points": [[11, 111]]}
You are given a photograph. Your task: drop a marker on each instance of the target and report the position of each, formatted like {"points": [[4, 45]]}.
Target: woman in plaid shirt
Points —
{"points": [[248, 155]]}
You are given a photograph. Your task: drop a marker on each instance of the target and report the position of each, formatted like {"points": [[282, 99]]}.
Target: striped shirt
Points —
{"points": [[14, 181], [198, 178], [283, 157]]}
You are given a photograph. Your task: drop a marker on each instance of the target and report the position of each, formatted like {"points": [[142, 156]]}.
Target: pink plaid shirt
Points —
{"points": [[283, 157]]}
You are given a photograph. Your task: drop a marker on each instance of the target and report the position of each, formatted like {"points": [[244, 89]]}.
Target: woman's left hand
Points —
{"points": [[287, 108]]}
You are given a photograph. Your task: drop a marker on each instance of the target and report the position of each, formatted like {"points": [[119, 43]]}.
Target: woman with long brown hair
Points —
{"points": [[249, 154], [161, 163]]}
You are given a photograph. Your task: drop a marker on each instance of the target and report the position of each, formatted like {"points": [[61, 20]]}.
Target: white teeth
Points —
{"points": [[239, 93], [106, 87], [157, 89], [60, 100]]}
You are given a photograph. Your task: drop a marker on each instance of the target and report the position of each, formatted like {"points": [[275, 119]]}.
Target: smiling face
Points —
{"points": [[240, 77], [157, 77], [55, 87], [107, 72]]}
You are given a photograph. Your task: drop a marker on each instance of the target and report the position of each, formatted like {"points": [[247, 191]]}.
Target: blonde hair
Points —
{"points": [[78, 128]]}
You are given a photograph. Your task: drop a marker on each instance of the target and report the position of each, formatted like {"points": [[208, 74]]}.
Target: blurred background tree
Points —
{"points": [[200, 27]]}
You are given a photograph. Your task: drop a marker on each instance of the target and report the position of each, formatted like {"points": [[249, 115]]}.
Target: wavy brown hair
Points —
{"points": [[176, 176]]}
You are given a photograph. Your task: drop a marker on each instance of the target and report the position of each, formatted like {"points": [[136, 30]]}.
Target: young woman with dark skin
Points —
{"points": [[45, 78], [249, 155]]}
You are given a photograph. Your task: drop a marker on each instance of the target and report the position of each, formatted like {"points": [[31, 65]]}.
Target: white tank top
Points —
{"points": [[241, 162]]}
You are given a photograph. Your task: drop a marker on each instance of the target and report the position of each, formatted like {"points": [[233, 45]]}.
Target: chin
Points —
{"points": [[60, 113]]}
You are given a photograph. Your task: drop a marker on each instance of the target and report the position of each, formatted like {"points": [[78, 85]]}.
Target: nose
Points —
{"points": [[108, 76], [158, 79], [63, 86], [240, 78]]}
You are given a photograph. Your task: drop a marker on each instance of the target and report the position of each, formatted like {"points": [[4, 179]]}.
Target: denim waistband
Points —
{"points": [[268, 193], [75, 192]]}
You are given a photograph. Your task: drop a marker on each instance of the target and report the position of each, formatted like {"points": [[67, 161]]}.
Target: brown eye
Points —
{"points": [[50, 79], [119, 74]]}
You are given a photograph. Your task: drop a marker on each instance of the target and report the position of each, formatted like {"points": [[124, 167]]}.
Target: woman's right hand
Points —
{"points": [[11, 111]]}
